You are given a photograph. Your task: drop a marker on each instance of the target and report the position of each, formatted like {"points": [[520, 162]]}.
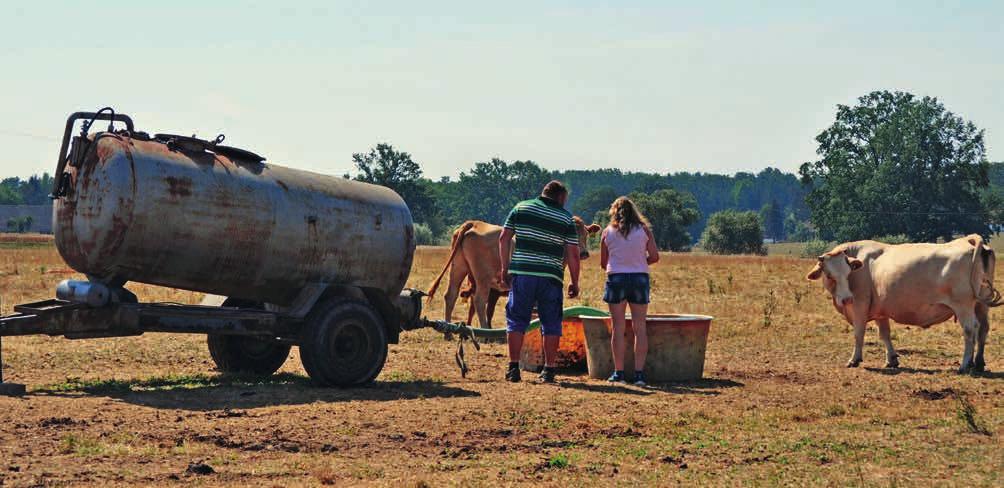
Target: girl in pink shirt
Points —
{"points": [[626, 249]]}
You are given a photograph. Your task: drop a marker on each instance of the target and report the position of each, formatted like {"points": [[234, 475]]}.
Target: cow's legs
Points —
{"points": [[983, 317], [458, 272], [891, 358], [970, 329], [480, 301], [493, 300], [859, 342]]}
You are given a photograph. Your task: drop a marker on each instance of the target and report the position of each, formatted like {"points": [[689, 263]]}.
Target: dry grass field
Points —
{"points": [[776, 407]]}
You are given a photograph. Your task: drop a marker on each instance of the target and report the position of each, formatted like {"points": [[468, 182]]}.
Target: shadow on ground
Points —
{"points": [[217, 392], [706, 386], [901, 370], [993, 375]]}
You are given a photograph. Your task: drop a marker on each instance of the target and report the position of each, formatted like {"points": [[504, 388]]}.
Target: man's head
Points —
{"points": [[557, 191], [835, 267]]}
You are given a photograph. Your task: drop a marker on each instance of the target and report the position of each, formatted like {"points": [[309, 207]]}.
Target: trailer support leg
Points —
{"points": [[8, 389]]}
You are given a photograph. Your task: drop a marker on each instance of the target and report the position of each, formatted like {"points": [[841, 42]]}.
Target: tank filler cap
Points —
{"points": [[194, 144]]}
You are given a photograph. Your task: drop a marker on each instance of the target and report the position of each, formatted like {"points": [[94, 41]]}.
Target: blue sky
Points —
{"points": [[640, 85]]}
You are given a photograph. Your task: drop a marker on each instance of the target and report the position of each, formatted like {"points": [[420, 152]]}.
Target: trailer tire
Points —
{"points": [[241, 354], [344, 343]]}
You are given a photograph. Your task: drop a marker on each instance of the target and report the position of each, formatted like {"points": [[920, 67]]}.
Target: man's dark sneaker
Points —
{"points": [[639, 378], [547, 375], [617, 377], [512, 374]]}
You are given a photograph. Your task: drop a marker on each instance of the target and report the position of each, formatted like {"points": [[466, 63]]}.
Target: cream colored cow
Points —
{"points": [[913, 284]]}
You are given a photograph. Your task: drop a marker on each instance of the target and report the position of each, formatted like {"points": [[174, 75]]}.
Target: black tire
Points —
{"points": [[344, 343], [242, 354]]}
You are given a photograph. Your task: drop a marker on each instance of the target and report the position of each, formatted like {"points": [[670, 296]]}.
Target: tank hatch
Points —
{"points": [[194, 144]]}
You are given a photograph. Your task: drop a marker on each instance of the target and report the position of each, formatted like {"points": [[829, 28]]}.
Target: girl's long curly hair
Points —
{"points": [[625, 216]]}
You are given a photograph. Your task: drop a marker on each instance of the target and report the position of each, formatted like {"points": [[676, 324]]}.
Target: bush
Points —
{"points": [[19, 224], [734, 232], [816, 248], [424, 235], [894, 239]]}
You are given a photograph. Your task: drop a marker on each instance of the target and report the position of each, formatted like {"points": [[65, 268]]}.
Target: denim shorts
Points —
{"points": [[526, 291], [632, 287]]}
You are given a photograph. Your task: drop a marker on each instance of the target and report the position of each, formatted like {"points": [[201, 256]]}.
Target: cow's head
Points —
{"points": [[835, 267], [584, 231]]}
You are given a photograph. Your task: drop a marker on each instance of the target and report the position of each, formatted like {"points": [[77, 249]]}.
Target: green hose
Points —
{"points": [[575, 311]]}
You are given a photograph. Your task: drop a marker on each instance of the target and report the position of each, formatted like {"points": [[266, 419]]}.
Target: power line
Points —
{"points": [[880, 212], [26, 134]]}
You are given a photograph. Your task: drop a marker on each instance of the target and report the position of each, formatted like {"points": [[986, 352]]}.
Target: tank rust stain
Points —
{"points": [[179, 187]]}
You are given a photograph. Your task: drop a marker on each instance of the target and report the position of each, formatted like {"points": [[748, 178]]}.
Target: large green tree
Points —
{"points": [[383, 165], [594, 200], [897, 164], [490, 189], [669, 211], [773, 220]]}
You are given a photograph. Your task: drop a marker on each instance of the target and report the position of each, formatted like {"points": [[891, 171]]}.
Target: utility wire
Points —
{"points": [[27, 135], [878, 212]]}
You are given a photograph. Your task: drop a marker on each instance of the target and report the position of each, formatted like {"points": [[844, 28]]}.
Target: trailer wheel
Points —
{"points": [[241, 354], [344, 343]]}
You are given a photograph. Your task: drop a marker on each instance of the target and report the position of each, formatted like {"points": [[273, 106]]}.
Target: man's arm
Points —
{"points": [[505, 251], [572, 258]]}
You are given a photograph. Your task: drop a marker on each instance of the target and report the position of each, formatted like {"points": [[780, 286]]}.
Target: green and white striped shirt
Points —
{"points": [[542, 228]]}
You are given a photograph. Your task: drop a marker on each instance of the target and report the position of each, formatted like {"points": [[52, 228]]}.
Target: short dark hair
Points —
{"points": [[554, 189]]}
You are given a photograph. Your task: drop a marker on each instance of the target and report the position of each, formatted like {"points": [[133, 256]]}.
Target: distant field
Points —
{"points": [[796, 248], [776, 406], [785, 249], [14, 241]]}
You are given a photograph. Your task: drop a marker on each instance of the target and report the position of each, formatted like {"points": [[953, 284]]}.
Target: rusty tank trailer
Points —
{"points": [[288, 257], [186, 213]]}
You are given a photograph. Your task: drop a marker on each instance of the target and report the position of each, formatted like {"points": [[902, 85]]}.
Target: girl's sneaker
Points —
{"points": [[639, 379], [617, 377]]}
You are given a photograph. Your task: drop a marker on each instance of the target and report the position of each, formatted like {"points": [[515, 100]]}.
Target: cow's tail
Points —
{"points": [[458, 239], [982, 274]]}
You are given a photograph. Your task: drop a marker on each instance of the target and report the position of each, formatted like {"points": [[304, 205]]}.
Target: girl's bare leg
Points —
{"points": [[617, 335], [639, 313]]}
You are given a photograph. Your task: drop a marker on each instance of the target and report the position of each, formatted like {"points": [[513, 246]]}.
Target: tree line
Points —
{"points": [[679, 204], [893, 165], [31, 191]]}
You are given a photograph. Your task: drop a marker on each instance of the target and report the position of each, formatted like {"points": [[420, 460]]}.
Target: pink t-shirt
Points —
{"points": [[626, 254]]}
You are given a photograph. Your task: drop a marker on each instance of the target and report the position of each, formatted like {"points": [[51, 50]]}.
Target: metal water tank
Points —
{"points": [[196, 215]]}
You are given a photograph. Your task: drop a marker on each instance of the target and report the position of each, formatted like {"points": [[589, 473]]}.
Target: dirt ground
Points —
{"points": [[776, 407]]}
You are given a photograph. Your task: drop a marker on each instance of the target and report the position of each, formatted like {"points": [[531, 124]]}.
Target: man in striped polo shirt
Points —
{"points": [[545, 240]]}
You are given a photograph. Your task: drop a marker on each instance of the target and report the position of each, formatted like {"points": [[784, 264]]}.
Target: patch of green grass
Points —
{"points": [[835, 411], [25, 245], [966, 413], [168, 382], [558, 461], [399, 376], [80, 446]]}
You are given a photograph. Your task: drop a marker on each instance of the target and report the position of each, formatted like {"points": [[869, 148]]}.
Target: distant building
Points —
{"points": [[41, 217]]}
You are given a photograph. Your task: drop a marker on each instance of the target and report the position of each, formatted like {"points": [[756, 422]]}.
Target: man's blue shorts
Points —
{"points": [[527, 291]]}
